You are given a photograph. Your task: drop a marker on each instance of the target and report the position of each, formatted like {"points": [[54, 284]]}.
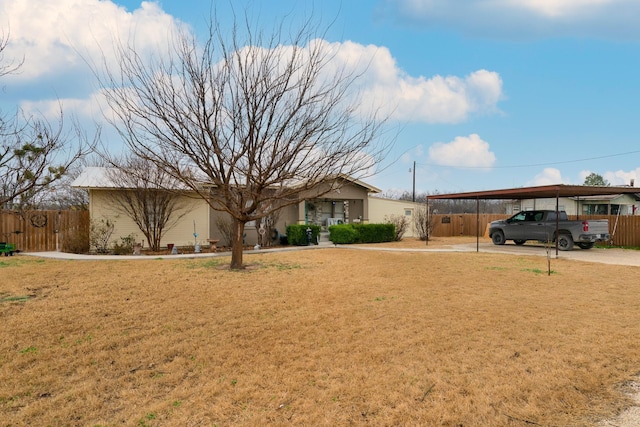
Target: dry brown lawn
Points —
{"points": [[322, 337]]}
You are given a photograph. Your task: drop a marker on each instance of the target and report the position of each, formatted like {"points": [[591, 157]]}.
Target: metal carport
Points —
{"points": [[540, 192]]}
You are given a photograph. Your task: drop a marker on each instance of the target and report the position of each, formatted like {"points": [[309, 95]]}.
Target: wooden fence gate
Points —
{"points": [[42, 231]]}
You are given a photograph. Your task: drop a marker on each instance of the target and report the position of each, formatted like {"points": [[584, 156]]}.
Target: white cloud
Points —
{"points": [[620, 177], [57, 37], [385, 87], [616, 178], [50, 34], [95, 105], [524, 18], [548, 176], [558, 8], [463, 151], [412, 154]]}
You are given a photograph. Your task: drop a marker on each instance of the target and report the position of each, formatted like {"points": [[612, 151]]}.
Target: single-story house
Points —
{"points": [[612, 204], [351, 203]]}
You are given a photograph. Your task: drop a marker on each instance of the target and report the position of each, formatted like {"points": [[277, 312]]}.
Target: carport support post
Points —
{"points": [[557, 219], [427, 225], [477, 224]]}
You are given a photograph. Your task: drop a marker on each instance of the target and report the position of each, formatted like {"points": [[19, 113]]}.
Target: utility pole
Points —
{"points": [[414, 181]]}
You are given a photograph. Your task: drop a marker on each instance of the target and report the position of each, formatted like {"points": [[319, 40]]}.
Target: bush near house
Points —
{"points": [[362, 233], [297, 234], [401, 224], [343, 234]]}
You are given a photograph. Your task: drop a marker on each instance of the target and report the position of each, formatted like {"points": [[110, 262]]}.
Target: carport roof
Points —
{"points": [[540, 192]]}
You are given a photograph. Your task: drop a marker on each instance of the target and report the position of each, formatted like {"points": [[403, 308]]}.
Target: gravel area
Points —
{"points": [[612, 256], [630, 417]]}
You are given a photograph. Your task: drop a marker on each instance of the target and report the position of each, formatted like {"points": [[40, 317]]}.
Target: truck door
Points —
{"points": [[543, 228], [517, 226], [532, 226]]}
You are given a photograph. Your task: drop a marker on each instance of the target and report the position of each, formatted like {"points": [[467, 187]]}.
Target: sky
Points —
{"points": [[480, 94]]}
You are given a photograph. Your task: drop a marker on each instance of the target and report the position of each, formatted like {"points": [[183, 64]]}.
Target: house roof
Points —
{"points": [[93, 177], [539, 192], [101, 178], [607, 197], [368, 187]]}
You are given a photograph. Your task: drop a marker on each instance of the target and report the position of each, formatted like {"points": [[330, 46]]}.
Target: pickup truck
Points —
{"points": [[541, 226]]}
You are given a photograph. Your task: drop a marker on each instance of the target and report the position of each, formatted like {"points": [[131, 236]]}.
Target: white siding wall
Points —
{"points": [[180, 235], [379, 208], [572, 207], [565, 204]]}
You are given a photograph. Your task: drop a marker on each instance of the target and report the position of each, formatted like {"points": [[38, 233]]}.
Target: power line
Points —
{"points": [[530, 165]]}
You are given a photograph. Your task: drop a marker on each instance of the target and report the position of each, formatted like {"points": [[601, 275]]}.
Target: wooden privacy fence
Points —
{"points": [[626, 232], [40, 231], [462, 224]]}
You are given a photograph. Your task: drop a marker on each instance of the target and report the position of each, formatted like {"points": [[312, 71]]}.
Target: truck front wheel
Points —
{"points": [[565, 242], [497, 238]]}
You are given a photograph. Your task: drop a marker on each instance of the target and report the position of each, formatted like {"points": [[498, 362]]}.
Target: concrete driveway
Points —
{"points": [[604, 256], [613, 256]]}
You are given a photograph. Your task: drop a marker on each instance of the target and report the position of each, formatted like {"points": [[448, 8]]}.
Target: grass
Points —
{"points": [[14, 298], [607, 246], [323, 337]]}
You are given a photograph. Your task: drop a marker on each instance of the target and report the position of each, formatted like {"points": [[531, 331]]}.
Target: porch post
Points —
{"points": [[365, 210], [302, 207]]}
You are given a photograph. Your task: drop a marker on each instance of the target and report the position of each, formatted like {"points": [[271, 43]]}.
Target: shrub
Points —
{"points": [[425, 224], [125, 247], [100, 234], [375, 233], [401, 224], [343, 234], [362, 233], [76, 242], [297, 234]]}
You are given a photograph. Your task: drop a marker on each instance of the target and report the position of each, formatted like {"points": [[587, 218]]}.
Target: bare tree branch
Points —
{"points": [[149, 197], [250, 122], [34, 153], [7, 66]]}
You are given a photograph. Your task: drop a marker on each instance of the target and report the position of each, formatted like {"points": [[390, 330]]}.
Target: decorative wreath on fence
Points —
{"points": [[38, 220]]}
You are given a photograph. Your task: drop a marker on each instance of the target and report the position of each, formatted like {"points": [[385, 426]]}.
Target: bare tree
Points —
{"points": [[33, 152], [100, 232], [266, 228], [149, 197], [225, 227], [423, 222], [400, 224], [7, 66], [252, 123]]}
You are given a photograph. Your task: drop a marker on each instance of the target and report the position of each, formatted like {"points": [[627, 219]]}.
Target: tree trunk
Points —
{"points": [[237, 245]]}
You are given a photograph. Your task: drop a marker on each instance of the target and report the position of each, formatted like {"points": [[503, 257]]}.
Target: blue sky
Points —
{"points": [[486, 94]]}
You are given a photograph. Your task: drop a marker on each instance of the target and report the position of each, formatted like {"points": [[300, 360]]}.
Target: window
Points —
{"points": [[521, 216], [407, 212]]}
